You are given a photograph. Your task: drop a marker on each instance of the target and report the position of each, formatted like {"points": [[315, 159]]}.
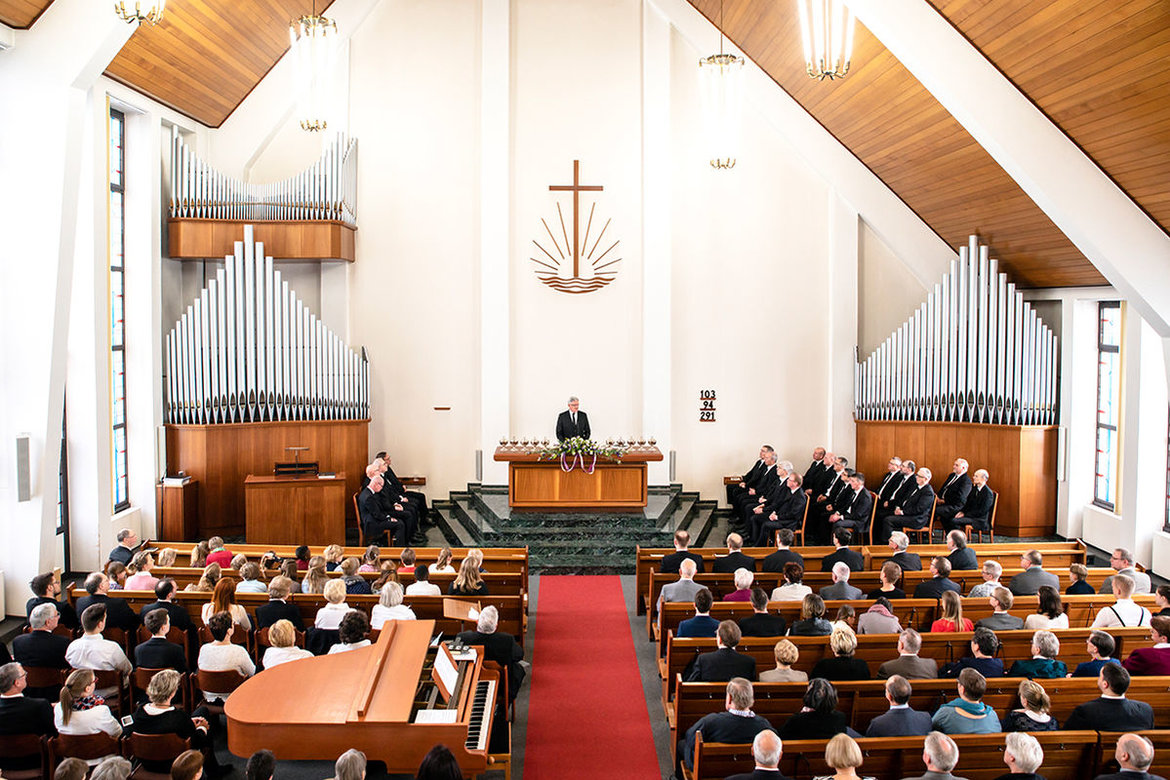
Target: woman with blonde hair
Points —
{"points": [[443, 562], [283, 640], [786, 655], [843, 754], [160, 716], [330, 615], [468, 581], [1034, 715], [333, 555], [390, 606], [252, 579], [209, 579], [387, 572], [315, 577], [141, 579], [952, 619], [79, 711], [842, 666], [223, 599], [370, 559], [199, 554]]}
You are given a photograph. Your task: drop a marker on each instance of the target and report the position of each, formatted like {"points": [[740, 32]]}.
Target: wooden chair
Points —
{"points": [[60, 630], [153, 750], [239, 636], [867, 532], [220, 682], [926, 533], [799, 532], [86, 747], [118, 635], [262, 640], [112, 678], [45, 677], [969, 530], [23, 748], [140, 680]]}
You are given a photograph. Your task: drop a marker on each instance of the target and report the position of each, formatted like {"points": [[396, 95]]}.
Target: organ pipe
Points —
{"points": [[974, 352], [248, 350]]}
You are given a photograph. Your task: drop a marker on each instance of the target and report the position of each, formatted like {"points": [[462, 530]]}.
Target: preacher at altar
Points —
{"points": [[572, 422]]}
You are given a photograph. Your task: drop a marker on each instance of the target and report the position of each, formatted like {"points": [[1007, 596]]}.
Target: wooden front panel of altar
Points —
{"points": [[545, 484]]}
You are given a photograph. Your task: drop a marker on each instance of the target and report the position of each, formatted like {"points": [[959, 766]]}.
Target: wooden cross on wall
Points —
{"points": [[576, 188]]}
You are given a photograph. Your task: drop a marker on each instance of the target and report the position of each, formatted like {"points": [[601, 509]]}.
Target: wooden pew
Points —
{"points": [[498, 583], [1106, 763], [1068, 755]]}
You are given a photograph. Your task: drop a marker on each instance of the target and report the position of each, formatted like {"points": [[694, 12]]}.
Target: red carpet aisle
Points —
{"points": [[586, 711]]}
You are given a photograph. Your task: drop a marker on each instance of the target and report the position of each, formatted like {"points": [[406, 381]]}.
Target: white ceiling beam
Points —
{"points": [[1125, 245]]}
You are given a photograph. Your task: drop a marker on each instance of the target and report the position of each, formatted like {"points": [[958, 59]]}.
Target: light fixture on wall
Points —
{"points": [[826, 30], [313, 42], [149, 11], [721, 84]]}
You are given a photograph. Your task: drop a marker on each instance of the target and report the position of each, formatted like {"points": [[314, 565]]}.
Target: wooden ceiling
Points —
{"points": [[20, 14], [205, 56], [1097, 68]]}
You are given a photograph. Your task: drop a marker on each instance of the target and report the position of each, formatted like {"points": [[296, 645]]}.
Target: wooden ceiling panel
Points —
{"points": [[899, 131], [20, 14], [205, 56]]}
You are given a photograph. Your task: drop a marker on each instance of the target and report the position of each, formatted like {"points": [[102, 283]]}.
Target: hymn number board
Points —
{"points": [[706, 406]]}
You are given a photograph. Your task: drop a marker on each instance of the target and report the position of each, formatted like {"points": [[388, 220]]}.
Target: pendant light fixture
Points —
{"points": [[721, 85], [313, 43]]}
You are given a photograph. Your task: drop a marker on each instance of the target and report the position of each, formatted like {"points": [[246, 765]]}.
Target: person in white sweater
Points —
{"points": [[354, 633], [390, 606], [330, 615], [422, 585], [79, 711], [221, 655], [284, 648]]}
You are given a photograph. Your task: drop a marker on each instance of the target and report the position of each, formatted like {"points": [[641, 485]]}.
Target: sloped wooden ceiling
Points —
{"points": [[20, 14], [1098, 69], [205, 56]]}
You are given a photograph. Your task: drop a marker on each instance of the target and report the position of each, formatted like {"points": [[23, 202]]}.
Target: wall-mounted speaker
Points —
{"points": [[23, 474]]}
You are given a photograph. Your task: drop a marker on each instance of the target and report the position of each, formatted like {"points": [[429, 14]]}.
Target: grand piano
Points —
{"points": [[393, 701]]}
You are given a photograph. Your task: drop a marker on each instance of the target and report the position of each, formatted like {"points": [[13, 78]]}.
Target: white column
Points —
{"points": [[494, 234], [656, 242], [844, 253]]}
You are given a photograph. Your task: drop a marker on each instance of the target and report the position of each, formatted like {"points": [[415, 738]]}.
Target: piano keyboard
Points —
{"points": [[481, 709]]}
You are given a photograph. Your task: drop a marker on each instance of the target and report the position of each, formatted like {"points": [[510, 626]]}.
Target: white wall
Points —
{"points": [[890, 291]]}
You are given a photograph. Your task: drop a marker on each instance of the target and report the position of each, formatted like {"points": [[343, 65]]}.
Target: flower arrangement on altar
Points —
{"points": [[577, 451]]}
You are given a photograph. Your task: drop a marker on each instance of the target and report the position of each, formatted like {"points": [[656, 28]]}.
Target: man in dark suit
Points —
{"points": [[900, 720], [735, 559], [40, 647], [908, 664], [20, 714], [1112, 711], [961, 556], [775, 561], [758, 500], [749, 478], [953, 493], [834, 486], [940, 582], [374, 517], [940, 754], [736, 724], [984, 645], [853, 506], [977, 511], [1028, 582], [164, 592], [908, 561], [817, 468], [724, 663], [766, 750], [817, 480], [394, 501], [760, 623], [891, 481], [914, 513], [702, 625], [501, 648], [1135, 755], [573, 422], [785, 511], [892, 497], [47, 590], [118, 611], [841, 538], [278, 607], [157, 652], [413, 498], [670, 563]]}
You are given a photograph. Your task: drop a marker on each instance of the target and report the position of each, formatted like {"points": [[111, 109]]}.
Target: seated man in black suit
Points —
{"points": [[760, 623], [736, 724], [891, 498], [976, 512], [501, 648], [952, 495], [841, 538], [40, 647], [1112, 711], [775, 562], [412, 499], [752, 509], [853, 506], [47, 590], [940, 570], [157, 652], [376, 519], [1135, 755], [961, 556], [670, 563], [278, 607], [817, 529], [749, 477], [914, 512], [118, 611], [724, 663], [908, 561], [164, 593], [984, 645], [766, 750], [786, 512], [573, 423], [735, 559], [20, 714], [900, 720]]}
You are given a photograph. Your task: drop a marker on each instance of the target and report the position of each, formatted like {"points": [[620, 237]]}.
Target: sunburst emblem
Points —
{"points": [[583, 264]]}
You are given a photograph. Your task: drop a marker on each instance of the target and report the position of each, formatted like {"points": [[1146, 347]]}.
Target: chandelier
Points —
{"points": [[721, 86], [826, 30], [313, 41], [149, 11]]}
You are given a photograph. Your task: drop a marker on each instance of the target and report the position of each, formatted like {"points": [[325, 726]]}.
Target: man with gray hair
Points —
{"points": [[940, 754], [501, 648], [953, 492], [127, 544], [1135, 754], [40, 647], [118, 611], [350, 765], [685, 589], [736, 724], [840, 589], [21, 715], [914, 511], [1122, 563], [735, 558], [1023, 755], [901, 720], [899, 543], [766, 750], [908, 664], [991, 573], [573, 423]]}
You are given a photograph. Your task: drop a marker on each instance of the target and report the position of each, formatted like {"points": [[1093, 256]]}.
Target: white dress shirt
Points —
{"points": [[423, 589], [1124, 612], [215, 657], [93, 651]]}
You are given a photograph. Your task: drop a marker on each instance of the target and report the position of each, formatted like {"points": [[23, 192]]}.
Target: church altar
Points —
{"points": [[544, 484]]}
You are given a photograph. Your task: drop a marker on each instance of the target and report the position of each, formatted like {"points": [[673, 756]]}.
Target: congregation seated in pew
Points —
{"points": [[223, 599], [702, 624], [967, 714], [812, 618], [221, 654], [760, 622], [1156, 659], [724, 662], [93, 651], [901, 720], [158, 652], [1124, 611], [1043, 663], [908, 664], [786, 654], [282, 648]]}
